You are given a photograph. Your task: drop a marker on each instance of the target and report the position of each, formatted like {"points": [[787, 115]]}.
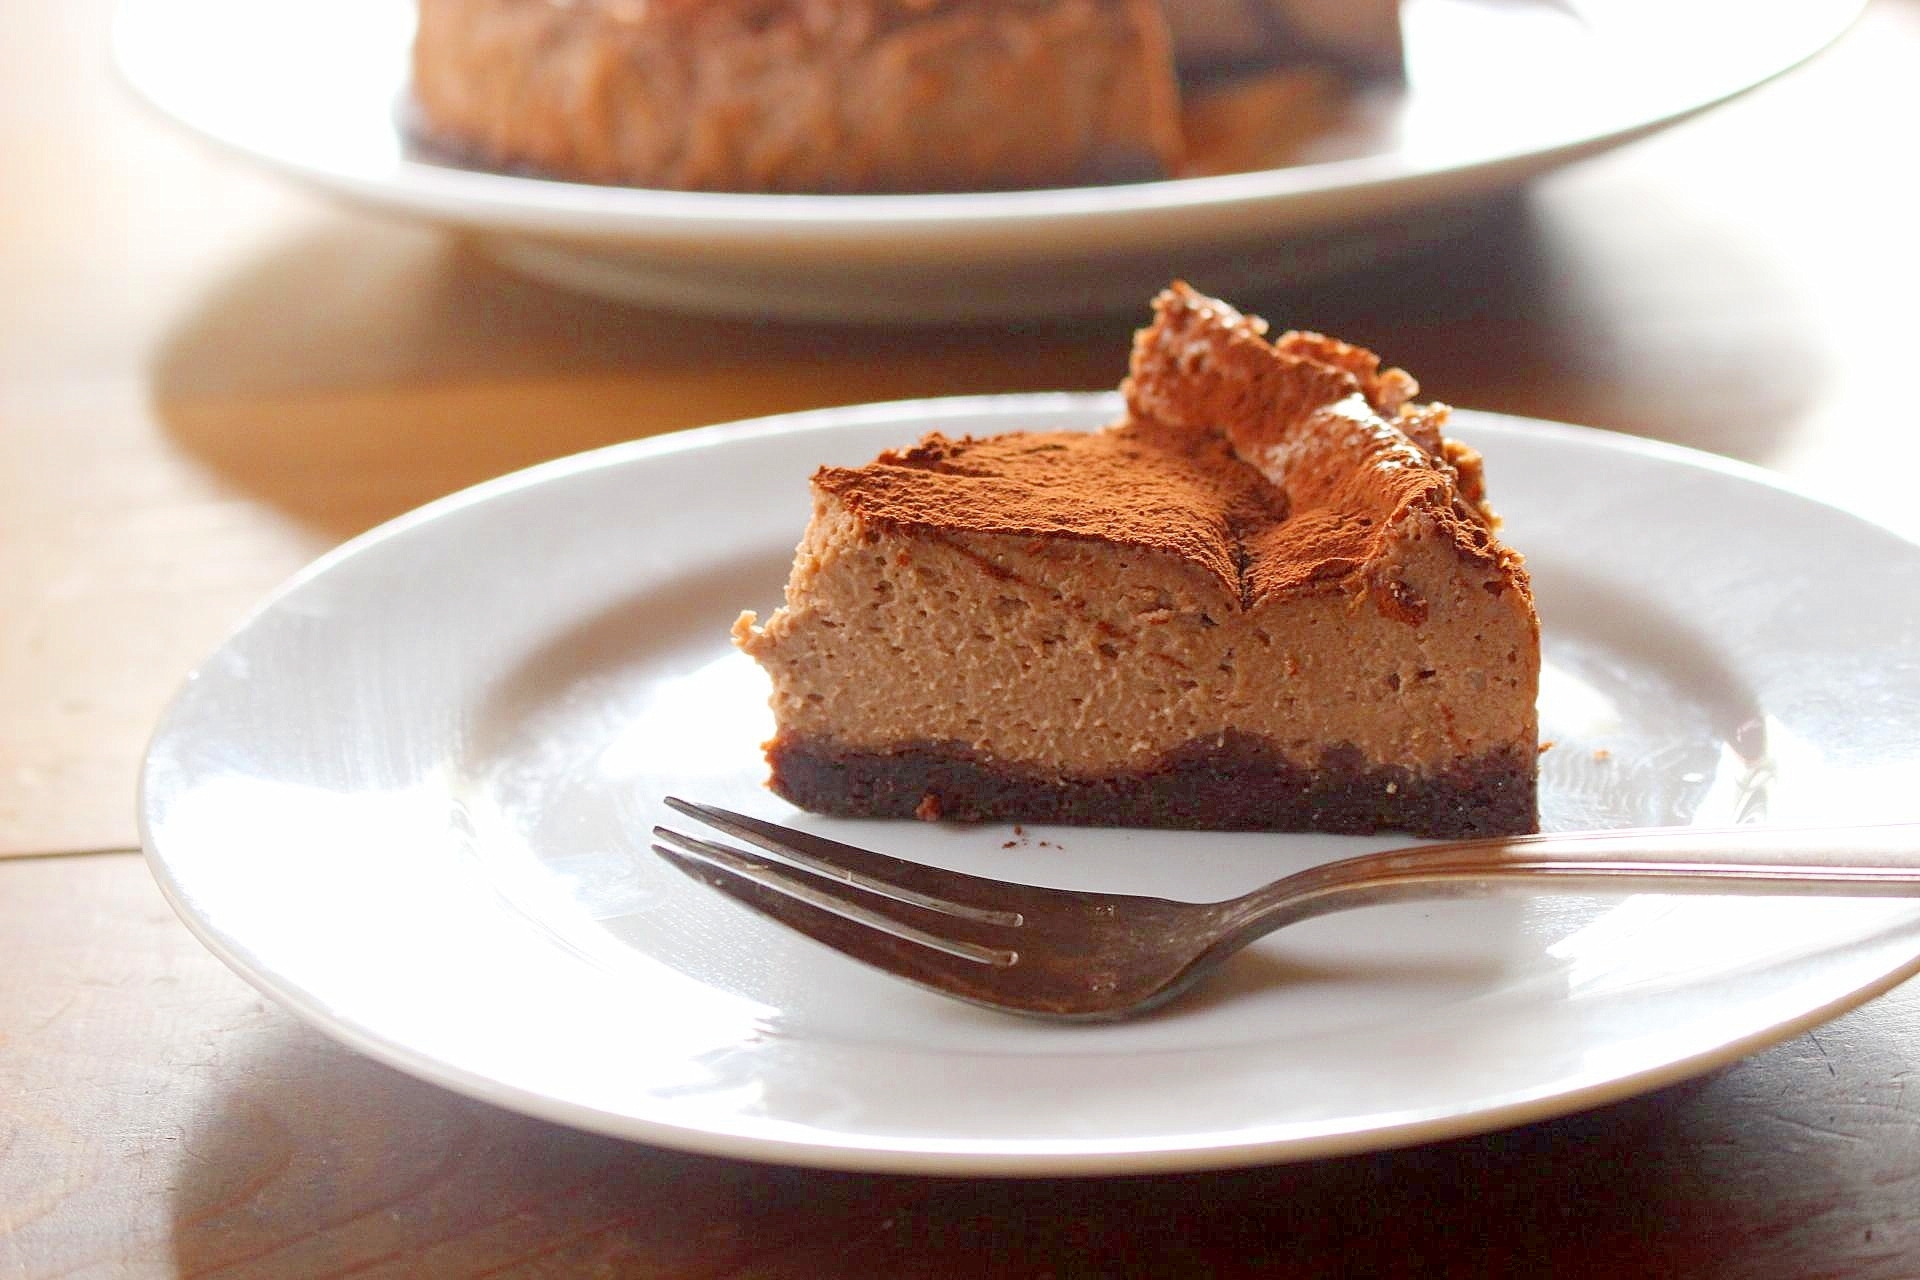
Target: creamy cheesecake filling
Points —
{"points": [[1075, 657]]}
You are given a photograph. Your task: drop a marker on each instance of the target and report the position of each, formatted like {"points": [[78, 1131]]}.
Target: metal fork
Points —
{"points": [[1063, 954]]}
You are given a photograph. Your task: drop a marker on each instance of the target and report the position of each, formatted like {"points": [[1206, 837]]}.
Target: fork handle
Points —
{"points": [[1851, 861]]}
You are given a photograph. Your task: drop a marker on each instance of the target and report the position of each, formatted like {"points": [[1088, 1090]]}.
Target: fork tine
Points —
{"points": [[993, 901], [928, 923], [785, 897]]}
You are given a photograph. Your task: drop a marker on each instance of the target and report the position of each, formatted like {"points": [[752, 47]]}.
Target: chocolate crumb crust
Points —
{"points": [[1235, 782]]}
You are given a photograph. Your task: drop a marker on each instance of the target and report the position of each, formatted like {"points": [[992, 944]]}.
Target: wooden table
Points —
{"points": [[208, 377]]}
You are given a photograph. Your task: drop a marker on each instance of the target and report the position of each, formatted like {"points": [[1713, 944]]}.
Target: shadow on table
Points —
{"points": [[352, 375], [344, 383], [326, 1162]]}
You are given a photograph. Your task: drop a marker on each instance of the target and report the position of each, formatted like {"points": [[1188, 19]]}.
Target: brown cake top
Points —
{"points": [[1281, 467]]}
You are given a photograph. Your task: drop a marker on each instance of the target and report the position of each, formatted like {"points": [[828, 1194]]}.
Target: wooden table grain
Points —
{"points": [[208, 377]]}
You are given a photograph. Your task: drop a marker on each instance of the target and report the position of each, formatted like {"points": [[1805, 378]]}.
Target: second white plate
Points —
{"points": [[1497, 92], [410, 798]]}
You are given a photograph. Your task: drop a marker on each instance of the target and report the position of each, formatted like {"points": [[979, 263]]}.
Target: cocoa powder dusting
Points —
{"points": [[1281, 468]]}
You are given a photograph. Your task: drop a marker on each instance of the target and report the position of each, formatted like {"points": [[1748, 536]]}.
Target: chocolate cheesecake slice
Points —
{"points": [[1269, 597]]}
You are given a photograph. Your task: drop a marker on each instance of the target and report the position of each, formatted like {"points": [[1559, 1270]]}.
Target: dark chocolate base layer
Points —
{"points": [[1237, 783]]}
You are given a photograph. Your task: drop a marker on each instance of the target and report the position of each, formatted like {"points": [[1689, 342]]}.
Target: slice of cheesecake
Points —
{"points": [[1270, 596]]}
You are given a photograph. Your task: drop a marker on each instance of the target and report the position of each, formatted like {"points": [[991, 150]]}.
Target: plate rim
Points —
{"points": [[521, 203], [935, 408], [922, 1155]]}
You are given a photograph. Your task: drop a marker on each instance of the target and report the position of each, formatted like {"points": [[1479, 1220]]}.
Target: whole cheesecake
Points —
{"points": [[803, 95], [857, 95], [1269, 597]]}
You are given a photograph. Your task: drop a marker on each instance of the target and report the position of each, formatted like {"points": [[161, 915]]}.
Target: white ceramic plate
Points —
{"points": [[1498, 91], [409, 798]]}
